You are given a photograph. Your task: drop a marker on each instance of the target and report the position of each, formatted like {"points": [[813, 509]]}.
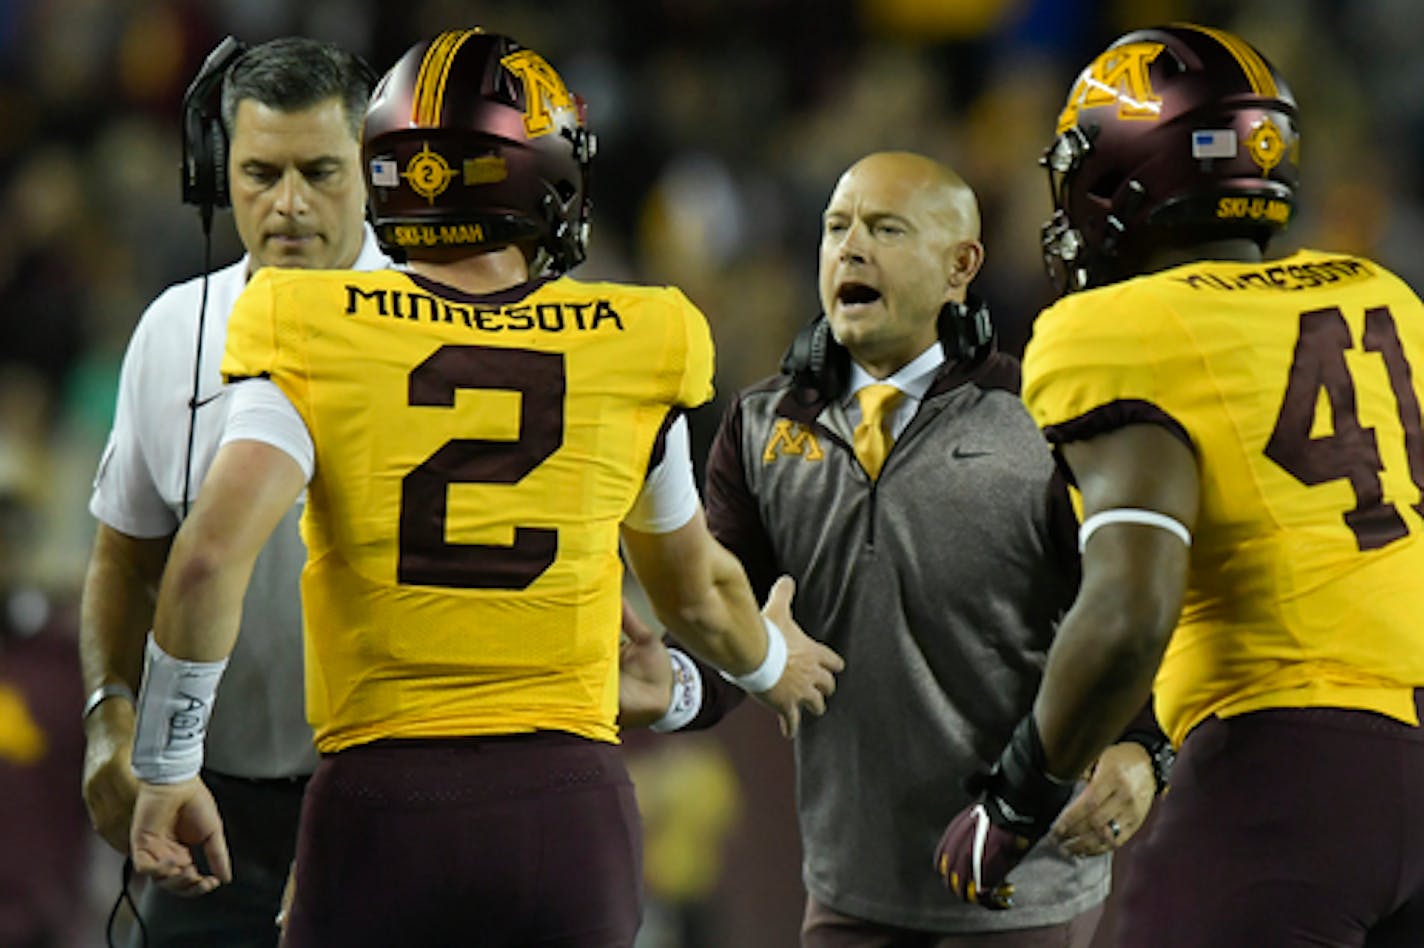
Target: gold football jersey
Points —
{"points": [[1295, 381], [474, 457]]}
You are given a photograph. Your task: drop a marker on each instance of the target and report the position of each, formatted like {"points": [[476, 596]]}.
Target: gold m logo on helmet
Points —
{"points": [[791, 438], [1118, 75], [543, 90]]}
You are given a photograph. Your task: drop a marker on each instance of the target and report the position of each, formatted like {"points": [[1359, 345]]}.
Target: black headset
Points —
{"points": [[815, 360], [204, 138], [966, 329], [205, 141]]}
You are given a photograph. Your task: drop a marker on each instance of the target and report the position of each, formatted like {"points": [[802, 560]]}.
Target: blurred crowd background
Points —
{"points": [[722, 126]]}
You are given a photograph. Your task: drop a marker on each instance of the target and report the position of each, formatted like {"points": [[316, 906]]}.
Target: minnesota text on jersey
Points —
{"points": [[557, 316], [1293, 276]]}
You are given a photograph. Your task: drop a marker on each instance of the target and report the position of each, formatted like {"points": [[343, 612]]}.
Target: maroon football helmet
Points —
{"points": [[473, 140], [1172, 135]]}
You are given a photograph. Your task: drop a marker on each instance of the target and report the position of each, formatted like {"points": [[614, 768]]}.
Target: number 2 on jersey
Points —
{"points": [[1352, 451], [426, 558]]}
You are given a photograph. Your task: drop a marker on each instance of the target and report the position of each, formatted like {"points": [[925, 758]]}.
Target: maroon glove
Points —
{"points": [[974, 856], [1017, 802]]}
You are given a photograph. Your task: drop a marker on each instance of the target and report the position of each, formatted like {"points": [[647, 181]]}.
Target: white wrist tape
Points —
{"points": [[768, 673], [1146, 518], [173, 709], [686, 693]]}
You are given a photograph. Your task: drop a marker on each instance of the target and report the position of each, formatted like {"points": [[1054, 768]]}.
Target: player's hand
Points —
{"points": [[810, 675], [644, 673], [168, 820], [284, 909], [975, 857], [1113, 806], [1015, 804], [110, 786]]}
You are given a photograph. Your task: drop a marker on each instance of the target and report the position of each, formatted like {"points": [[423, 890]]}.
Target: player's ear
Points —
{"points": [[962, 263]]}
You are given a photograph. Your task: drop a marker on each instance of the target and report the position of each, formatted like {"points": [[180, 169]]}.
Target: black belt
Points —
{"points": [[299, 780]]}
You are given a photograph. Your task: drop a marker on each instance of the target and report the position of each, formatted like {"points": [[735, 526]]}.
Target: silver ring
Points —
{"points": [[1114, 828]]}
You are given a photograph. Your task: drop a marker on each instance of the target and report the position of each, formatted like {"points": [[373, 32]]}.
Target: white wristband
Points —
{"points": [[768, 673], [1146, 518], [173, 709], [686, 694]]}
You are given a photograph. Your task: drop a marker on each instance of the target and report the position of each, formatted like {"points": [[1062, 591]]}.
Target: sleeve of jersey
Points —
{"points": [[669, 497], [252, 350], [256, 337], [695, 387], [1102, 361]]}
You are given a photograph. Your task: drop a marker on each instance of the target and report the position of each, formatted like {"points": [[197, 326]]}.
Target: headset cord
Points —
{"points": [[124, 896], [207, 215], [206, 212]]}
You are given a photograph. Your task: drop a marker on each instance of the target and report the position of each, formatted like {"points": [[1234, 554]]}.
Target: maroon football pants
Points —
{"points": [[1285, 828], [531, 840]]}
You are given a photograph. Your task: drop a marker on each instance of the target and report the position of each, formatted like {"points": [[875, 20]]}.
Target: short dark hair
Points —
{"points": [[294, 73]]}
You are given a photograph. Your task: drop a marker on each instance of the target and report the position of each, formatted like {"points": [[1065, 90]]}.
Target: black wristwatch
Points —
{"points": [[1159, 751]]}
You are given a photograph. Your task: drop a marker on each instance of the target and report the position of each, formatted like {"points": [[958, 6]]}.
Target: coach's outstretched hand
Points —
{"points": [[810, 675], [169, 819], [1113, 806]]}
